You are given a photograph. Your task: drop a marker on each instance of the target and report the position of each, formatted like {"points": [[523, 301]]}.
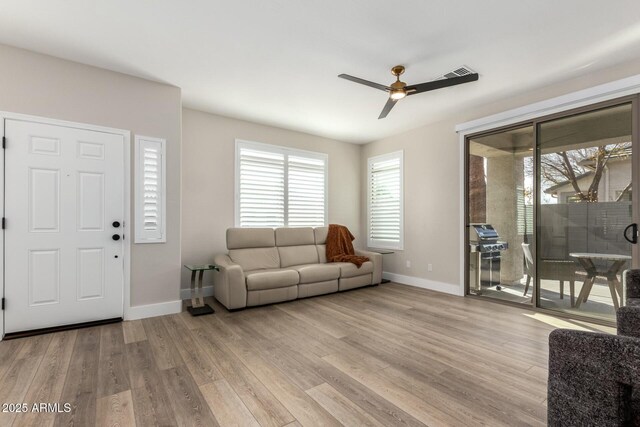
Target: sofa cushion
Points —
{"points": [[346, 283], [255, 258], [270, 296], [322, 253], [320, 234], [242, 238], [633, 302], [312, 273], [297, 255], [294, 236], [348, 269], [318, 288], [271, 279]]}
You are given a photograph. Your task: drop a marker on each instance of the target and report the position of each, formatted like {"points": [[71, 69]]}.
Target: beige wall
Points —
{"points": [[208, 174], [432, 180], [41, 85]]}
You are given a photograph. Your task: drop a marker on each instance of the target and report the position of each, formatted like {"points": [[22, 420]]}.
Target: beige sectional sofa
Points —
{"points": [[265, 266]]}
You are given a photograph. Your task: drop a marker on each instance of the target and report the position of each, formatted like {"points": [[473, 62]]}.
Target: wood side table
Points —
{"points": [[198, 307]]}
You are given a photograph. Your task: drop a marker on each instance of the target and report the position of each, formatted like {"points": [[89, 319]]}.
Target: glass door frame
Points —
{"points": [[535, 122], [467, 256], [635, 262]]}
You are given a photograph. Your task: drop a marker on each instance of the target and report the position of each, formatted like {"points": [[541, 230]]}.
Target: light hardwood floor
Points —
{"points": [[382, 356]]}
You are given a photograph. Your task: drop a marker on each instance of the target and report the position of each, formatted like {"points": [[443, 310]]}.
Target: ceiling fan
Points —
{"points": [[399, 89]]}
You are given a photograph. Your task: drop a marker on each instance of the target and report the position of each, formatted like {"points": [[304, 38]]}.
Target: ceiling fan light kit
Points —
{"points": [[397, 94], [399, 89]]}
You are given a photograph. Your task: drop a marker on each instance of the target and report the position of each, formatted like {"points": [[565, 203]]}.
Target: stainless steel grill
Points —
{"points": [[485, 238], [485, 247]]}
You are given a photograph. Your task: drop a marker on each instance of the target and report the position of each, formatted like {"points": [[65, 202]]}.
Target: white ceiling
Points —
{"points": [[276, 61]]}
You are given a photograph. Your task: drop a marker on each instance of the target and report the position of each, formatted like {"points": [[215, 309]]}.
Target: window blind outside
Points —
{"points": [[278, 187], [524, 218], [150, 190], [385, 201]]}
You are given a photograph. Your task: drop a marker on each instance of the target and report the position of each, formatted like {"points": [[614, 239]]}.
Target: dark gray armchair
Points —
{"points": [[594, 378]]}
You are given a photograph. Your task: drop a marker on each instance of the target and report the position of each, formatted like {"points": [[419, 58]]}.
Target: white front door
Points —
{"points": [[64, 206]]}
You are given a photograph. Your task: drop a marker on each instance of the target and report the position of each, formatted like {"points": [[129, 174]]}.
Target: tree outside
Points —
{"points": [[569, 167]]}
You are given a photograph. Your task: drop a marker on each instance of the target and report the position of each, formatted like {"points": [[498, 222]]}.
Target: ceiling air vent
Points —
{"points": [[463, 70]]}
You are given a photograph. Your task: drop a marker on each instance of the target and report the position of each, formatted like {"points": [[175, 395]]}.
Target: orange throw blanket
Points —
{"points": [[340, 248]]}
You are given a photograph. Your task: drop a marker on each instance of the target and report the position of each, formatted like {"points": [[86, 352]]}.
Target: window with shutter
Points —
{"points": [[279, 187], [385, 201], [150, 190], [306, 191], [262, 188]]}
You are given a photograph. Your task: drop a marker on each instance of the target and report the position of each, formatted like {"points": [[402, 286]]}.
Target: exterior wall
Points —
{"points": [[619, 177], [208, 180], [40, 85], [433, 180]]}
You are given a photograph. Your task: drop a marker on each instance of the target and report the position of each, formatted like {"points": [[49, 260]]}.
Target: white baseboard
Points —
{"points": [[153, 310], [207, 291], [398, 278], [419, 282]]}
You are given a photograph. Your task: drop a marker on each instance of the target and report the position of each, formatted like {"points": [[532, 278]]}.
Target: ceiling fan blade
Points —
{"points": [[365, 82], [387, 107], [438, 84]]}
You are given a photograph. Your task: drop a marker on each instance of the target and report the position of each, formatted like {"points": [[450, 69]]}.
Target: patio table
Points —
{"points": [[586, 260]]}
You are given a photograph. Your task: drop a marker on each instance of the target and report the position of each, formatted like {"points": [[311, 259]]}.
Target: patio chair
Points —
{"points": [[550, 269], [594, 378]]}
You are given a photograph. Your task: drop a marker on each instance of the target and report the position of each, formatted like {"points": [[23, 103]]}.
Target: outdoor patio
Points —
{"points": [[599, 303]]}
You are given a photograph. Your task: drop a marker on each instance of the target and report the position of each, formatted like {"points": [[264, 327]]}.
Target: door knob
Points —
{"points": [[116, 237], [634, 233], [116, 224]]}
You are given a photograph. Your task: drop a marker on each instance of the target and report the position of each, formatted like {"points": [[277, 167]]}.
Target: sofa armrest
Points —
{"points": [[376, 259], [633, 284], [629, 321], [590, 377], [229, 286]]}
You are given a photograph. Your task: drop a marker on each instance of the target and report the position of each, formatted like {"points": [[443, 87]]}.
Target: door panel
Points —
{"points": [[90, 273], [91, 201], [585, 203], [44, 277], [500, 195], [44, 200], [65, 188]]}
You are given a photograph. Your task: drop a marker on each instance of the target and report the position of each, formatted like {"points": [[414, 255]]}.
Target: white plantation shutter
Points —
{"points": [[150, 190], [385, 201], [306, 195], [151, 195], [262, 189], [279, 187]]}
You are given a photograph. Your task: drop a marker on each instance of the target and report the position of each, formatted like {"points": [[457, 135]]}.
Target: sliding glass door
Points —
{"points": [[585, 198], [500, 214], [551, 210]]}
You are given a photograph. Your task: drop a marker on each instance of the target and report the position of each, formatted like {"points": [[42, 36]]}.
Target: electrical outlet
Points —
{"points": [[430, 267], [408, 264]]}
